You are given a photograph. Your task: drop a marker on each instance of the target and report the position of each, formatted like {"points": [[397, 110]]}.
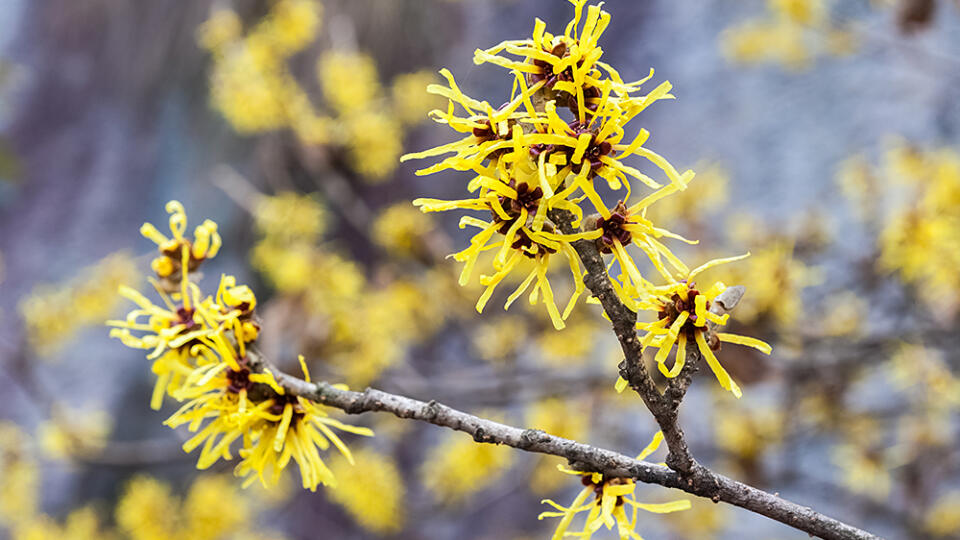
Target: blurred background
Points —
{"points": [[825, 137]]}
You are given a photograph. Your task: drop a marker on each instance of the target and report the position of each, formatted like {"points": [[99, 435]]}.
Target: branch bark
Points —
{"points": [[699, 481]]}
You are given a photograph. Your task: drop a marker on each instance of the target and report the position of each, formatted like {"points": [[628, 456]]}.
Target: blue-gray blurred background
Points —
{"points": [[105, 114]]}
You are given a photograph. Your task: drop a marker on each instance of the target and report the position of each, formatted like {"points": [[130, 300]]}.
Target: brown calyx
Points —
{"points": [[677, 305], [612, 228], [587, 480]]}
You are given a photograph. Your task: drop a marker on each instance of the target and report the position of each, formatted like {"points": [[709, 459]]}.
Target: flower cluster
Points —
{"points": [[540, 158], [201, 352], [613, 503]]}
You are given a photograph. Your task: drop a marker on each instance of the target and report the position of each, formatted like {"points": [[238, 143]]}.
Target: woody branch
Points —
{"points": [[699, 481]]}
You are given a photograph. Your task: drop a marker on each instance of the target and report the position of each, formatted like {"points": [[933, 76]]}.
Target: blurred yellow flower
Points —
{"points": [[213, 508], [53, 314], [499, 340], [374, 143], [564, 418], [943, 519], [372, 491], [568, 348], [290, 217], [148, 510], [400, 228], [349, 80], [458, 467], [411, 101], [20, 488], [74, 433], [790, 33]]}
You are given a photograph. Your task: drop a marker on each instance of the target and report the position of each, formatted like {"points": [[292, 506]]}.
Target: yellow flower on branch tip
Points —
{"points": [[683, 312], [613, 504], [177, 252]]}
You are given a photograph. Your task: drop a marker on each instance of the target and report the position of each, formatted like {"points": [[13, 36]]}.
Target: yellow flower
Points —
{"points": [[81, 524], [942, 519], [747, 432], [500, 339], [526, 240], [790, 32], [147, 510], [458, 467], [567, 419], [53, 314], [411, 102], [530, 161], [799, 11], [290, 217], [683, 314], [214, 508], [613, 504], [864, 470], [199, 353], [250, 407], [180, 335], [695, 204], [20, 489], [297, 429], [178, 253], [400, 229], [222, 28], [374, 143], [570, 347], [70, 433], [372, 491], [349, 80], [290, 25]]}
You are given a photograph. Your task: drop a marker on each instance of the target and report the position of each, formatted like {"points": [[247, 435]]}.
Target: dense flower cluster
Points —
{"points": [[540, 158], [200, 349]]}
